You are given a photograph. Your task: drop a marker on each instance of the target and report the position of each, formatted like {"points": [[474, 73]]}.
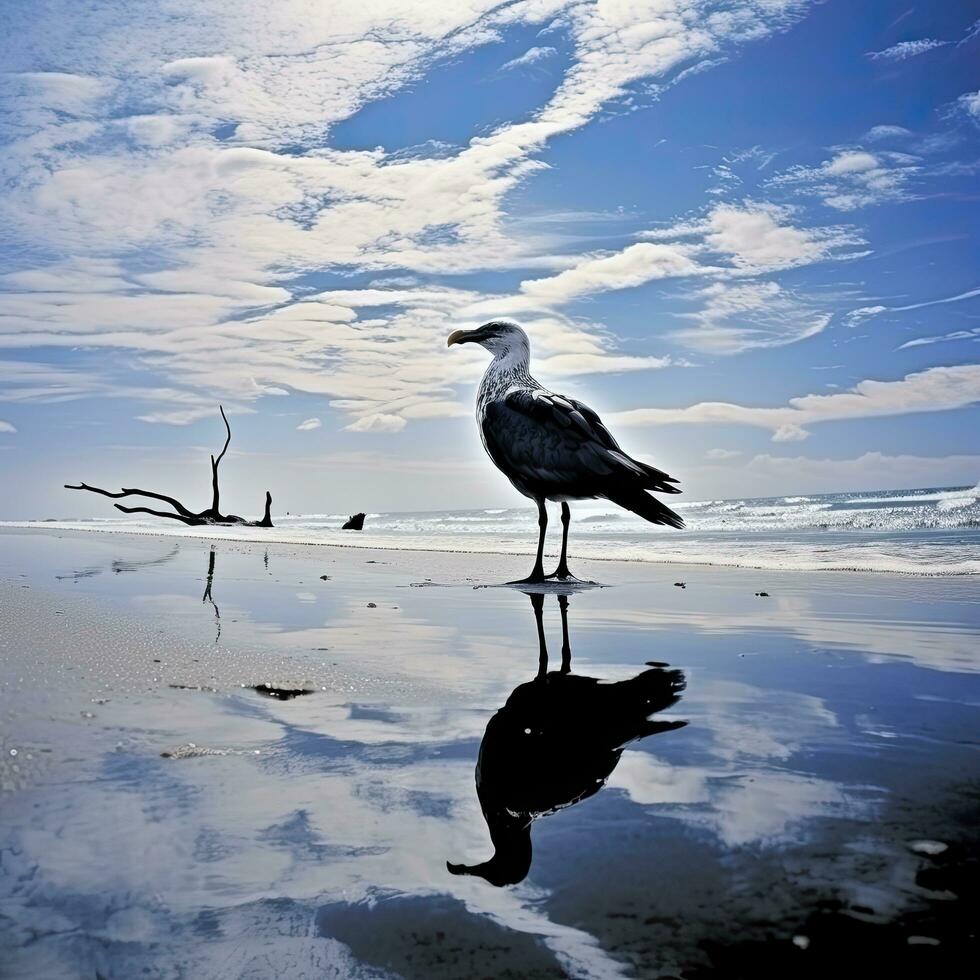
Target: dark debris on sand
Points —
{"points": [[281, 692]]}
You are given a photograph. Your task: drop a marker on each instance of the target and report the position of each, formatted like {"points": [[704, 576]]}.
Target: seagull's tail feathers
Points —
{"points": [[658, 480], [642, 474], [647, 507]]}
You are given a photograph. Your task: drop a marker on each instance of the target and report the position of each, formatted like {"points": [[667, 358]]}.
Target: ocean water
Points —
{"points": [[928, 531]]}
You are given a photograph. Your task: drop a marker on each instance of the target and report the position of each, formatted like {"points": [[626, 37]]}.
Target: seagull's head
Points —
{"points": [[503, 338]]}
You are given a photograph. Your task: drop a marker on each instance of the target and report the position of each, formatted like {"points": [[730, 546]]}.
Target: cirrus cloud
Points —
{"points": [[907, 49], [934, 390], [530, 57]]}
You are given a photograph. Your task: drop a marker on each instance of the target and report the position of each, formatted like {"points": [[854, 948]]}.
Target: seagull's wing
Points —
{"points": [[661, 480], [531, 435], [561, 446]]}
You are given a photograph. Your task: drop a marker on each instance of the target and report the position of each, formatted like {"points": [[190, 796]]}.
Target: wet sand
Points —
{"points": [[219, 759]]}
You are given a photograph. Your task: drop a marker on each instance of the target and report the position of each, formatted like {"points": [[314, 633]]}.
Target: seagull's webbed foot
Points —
{"points": [[561, 574], [538, 578], [566, 577]]}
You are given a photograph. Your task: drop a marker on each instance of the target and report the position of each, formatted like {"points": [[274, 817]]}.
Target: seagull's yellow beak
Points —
{"points": [[456, 337]]}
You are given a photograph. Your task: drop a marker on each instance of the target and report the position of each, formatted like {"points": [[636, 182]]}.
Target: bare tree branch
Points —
{"points": [[212, 515], [159, 513], [134, 492], [224, 449], [215, 494]]}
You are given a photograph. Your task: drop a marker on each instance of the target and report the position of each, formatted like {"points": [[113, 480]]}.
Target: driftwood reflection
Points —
{"points": [[208, 582], [555, 743], [119, 565]]}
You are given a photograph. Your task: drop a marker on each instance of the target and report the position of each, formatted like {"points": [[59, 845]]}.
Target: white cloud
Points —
{"points": [[740, 243], [635, 265], [971, 334], [157, 130], [873, 469], [907, 49], [719, 454], [746, 239], [308, 425], [233, 221], [970, 104], [27, 382], [755, 237], [886, 132], [33, 94], [934, 390], [732, 241], [855, 178], [851, 162], [866, 312], [6, 426], [378, 423], [530, 57], [727, 172], [855, 317], [740, 316], [571, 365], [789, 433], [972, 32]]}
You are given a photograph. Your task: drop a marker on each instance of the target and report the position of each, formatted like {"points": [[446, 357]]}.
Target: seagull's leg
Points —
{"points": [[562, 572], [537, 604], [537, 573], [566, 648]]}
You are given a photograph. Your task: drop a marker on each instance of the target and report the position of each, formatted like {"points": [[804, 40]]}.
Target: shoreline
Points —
{"points": [[201, 534]]}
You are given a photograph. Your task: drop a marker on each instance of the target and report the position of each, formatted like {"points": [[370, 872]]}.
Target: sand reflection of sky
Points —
{"points": [[358, 794]]}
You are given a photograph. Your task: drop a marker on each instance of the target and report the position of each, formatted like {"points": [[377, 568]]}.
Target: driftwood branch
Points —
{"points": [[181, 513], [215, 495], [131, 492]]}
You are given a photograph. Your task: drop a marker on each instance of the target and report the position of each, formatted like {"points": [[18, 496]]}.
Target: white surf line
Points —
{"points": [[888, 566]]}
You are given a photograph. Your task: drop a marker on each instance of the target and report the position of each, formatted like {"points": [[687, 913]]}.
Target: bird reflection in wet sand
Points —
{"points": [[555, 743]]}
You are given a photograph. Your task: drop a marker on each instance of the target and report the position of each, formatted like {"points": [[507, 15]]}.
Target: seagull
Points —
{"points": [[552, 447]]}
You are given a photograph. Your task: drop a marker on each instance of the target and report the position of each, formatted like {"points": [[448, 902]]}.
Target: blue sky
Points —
{"points": [[745, 231]]}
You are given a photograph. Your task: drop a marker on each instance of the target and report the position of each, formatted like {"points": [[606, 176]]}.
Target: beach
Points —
{"points": [[232, 758]]}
